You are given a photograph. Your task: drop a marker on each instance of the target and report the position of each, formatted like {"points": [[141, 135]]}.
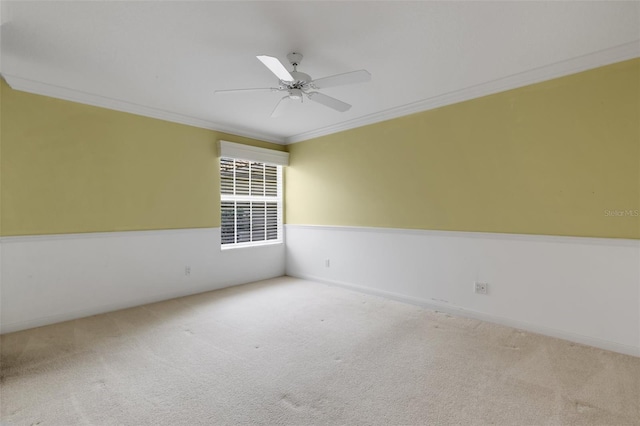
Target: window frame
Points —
{"points": [[233, 151]]}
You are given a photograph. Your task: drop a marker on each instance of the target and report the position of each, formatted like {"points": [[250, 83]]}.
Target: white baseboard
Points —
{"points": [[51, 278], [459, 311], [585, 290], [9, 327]]}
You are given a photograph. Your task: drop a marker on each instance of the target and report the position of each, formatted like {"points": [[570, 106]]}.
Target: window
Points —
{"points": [[250, 196]]}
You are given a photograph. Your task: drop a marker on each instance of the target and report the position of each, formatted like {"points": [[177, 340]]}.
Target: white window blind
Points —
{"points": [[250, 202]]}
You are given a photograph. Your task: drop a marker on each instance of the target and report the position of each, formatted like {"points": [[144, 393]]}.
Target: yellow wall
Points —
{"points": [[549, 158], [67, 167]]}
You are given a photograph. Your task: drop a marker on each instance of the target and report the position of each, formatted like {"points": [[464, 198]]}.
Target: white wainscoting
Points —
{"points": [[48, 279], [585, 290]]}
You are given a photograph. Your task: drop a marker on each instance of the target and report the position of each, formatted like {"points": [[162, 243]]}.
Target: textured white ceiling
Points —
{"points": [[171, 56]]}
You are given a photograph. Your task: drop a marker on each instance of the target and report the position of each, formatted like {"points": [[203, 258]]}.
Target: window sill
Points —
{"points": [[226, 247]]}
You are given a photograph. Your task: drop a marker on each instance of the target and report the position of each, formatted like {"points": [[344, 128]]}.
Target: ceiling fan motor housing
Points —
{"points": [[300, 78]]}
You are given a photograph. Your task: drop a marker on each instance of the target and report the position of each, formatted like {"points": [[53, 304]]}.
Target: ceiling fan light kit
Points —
{"points": [[298, 84]]}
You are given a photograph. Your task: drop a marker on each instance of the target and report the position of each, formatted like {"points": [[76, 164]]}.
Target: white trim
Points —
{"points": [[114, 234], [46, 89], [483, 235], [571, 66], [457, 310], [252, 153]]}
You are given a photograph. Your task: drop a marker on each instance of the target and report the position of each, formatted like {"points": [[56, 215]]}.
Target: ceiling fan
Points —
{"points": [[297, 84]]}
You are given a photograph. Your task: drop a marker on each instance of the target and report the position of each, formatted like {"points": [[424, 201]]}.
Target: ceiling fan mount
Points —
{"points": [[295, 59], [298, 84]]}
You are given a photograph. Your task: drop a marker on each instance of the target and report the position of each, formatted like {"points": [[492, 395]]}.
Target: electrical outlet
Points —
{"points": [[187, 270], [481, 288], [327, 263]]}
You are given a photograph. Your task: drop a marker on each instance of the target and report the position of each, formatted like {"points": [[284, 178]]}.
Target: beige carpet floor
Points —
{"points": [[288, 351]]}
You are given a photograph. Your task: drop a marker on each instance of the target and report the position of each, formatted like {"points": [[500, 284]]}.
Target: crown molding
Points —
{"points": [[559, 69], [536, 75], [45, 89]]}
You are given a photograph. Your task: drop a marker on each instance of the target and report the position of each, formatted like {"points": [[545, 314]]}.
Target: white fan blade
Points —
{"points": [[328, 101], [353, 77], [259, 89], [276, 67], [281, 107]]}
